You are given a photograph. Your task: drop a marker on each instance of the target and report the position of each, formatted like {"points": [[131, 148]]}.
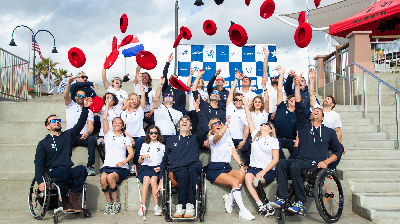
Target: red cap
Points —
{"points": [[209, 27], [247, 2], [111, 59], [238, 35], [76, 57], [186, 34], [97, 104], [123, 23], [267, 9], [302, 17], [303, 35], [317, 2], [146, 60], [126, 41], [178, 39], [114, 44], [177, 83]]}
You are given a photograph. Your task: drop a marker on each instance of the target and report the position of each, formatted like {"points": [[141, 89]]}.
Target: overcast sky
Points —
{"points": [[91, 25]]}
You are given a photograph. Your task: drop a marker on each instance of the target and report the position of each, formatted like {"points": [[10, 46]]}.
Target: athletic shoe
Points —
{"points": [[246, 215], [157, 210], [90, 171], [179, 211], [262, 210], [298, 207], [278, 204], [116, 208], [108, 208], [132, 171], [140, 212], [189, 213], [270, 209], [228, 202]]}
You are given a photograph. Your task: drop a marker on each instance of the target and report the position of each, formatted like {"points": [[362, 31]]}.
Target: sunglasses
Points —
{"points": [[266, 123], [83, 77], [79, 95], [168, 95], [55, 120], [215, 92], [219, 80], [237, 99], [216, 123], [153, 133]]}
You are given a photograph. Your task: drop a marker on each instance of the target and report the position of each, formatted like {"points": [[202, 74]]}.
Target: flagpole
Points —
{"points": [[125, 66]]}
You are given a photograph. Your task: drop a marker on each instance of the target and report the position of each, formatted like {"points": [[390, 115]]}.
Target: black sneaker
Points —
{"points": [[132, 171]]}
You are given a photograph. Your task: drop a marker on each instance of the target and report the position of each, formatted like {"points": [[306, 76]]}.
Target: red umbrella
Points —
{"points": [[369, 20]]}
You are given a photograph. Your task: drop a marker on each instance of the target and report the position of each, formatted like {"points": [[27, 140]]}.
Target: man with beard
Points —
{"points": [[315, 140], [53, 155], [147, 83], [219, 85], [245, 90]]}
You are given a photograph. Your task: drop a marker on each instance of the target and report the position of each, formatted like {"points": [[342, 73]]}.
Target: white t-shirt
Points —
{"points": [[112, 113], [134, 122], [249, 95], [163, 120], [273, 97], [261, 150], [222, 150], [155, 151], [332, 120], [151, 95], [258, 119], [73, 112], [237, 121], [203, 95], [121, 95], [115, 149]]}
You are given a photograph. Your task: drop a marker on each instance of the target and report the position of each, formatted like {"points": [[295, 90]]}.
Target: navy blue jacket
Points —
{"points": [[224, 93], [50, 155], [304, 93], [181, 151], [179, 95], [285, 122], [86, 86], [312, 147]]}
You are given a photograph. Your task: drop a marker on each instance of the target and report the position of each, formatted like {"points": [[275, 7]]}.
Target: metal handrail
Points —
{"points": [[397, 94]]}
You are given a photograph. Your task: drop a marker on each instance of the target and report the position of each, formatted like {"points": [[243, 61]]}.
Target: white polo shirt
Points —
{"points": [[163, 121], [203, 95], [112, 113], [222, 150], [115, 149], [249, 95], [73, 112], [237, 121], [121, 95], [273, 97], [261, 150], [151, 95], [155, 151], [258, 119], [134, 122]]}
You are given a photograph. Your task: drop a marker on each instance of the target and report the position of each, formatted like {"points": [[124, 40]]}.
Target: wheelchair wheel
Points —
{"points": [[39, 201], [328, 195]]}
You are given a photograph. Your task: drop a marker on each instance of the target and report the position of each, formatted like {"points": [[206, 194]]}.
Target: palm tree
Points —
{"points": [[61, 74], [42, 69]]}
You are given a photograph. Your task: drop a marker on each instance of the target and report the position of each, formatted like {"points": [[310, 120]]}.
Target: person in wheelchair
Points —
{"points": [[53, 155], [315, 140], [220, 172], [115, 168], [151, 154], [263, 159], [182, 154]]}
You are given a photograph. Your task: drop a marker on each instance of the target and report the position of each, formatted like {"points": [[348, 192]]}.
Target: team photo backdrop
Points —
{"points": [[248, 59]]}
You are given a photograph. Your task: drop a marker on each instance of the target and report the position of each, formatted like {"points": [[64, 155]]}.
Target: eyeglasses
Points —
{"points": [[266, 123], [215, 92], [83, 77], [216, 123], [238, 99], [153, 133], [79, 95], [55, 120], [168, 95], [219, 80]]}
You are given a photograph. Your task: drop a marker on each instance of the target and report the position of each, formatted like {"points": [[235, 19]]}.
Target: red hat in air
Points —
{"points": [[186, 33], [76, 57], [302, 17], [209, 27], [178, 39], [111, 59], [126, 41], [267, 9], [317, 2], [303, 35], [146, 60], [177, 83], [114, 44], [238, 35], [97, 104], [123, 23], [247, 2]]}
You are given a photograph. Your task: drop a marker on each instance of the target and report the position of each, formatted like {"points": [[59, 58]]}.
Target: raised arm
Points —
{"points": [[136, 80], [248, 115], [67, 97], [265, 65], [288, 84], [297, 88], [196, 81], [142, 94], [238, 76], [281, 72], [156, 99], [106, 126], [311, 89], [105, 81], [165, 72], [211, 82], [266, 97], [189, 81]]}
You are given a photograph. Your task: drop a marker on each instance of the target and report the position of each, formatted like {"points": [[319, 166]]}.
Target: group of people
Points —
{"points": [[153, 128]]}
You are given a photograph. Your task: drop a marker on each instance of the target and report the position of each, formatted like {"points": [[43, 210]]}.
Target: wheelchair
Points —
{"points": [[170, 187], [325, 187], [40, 202]]}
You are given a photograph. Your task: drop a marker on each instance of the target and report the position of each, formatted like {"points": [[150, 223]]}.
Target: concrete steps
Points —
{"points": [[375, 186], [352, 136], [370, 173], [371, 153], [346, 163]]}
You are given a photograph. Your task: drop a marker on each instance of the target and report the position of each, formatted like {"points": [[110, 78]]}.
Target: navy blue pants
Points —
{"points": [[149, 121], [288, 144], [246, 149], [89, 142], [138, 145], [292, 168], [187, 178], [62, 177], [333, 165]]}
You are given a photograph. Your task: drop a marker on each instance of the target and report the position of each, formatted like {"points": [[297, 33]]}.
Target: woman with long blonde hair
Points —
{"points": [[258, 110]]}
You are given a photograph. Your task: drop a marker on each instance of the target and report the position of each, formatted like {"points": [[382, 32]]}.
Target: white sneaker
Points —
{"points": [[246, 215], [90, 171], [157, 210], [108, 208], [116, 208], [179, 211], [228, 202], [140, 212], [189, 213]]}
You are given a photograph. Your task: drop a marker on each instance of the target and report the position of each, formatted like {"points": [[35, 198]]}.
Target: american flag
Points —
{"points": [[37, 48]]}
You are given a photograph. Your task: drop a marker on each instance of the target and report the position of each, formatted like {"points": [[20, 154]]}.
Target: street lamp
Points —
{"points": [[198, 3], [12, 43]]}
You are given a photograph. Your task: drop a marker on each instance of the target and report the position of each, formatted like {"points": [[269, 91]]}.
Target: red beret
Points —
{"points": [[303, 35], [238, 35], [186, 34], [123, 23], [247, 2], [302, 17], [178, 39], [76, 57], [317, 2], [114, 44], [209, 27], [146, 60], [267, 9], [97, 104], [126, 41], [111, 59], [177, 83]]}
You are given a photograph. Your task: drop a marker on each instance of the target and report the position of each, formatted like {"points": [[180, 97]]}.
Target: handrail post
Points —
{"points": [[380, 106], [324, 84], [316, 83], [333, 87], [358, 92], [344, 92], [350, 89], [397, 119], [365, 94]]}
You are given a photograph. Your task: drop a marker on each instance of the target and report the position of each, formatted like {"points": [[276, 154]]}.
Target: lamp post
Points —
{"points": [[12, 43]]}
